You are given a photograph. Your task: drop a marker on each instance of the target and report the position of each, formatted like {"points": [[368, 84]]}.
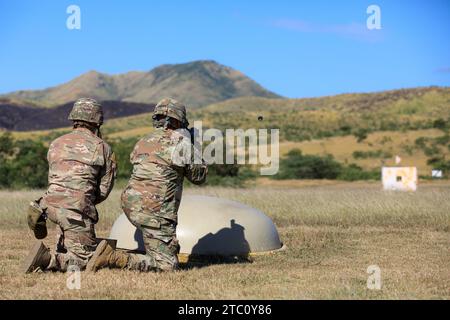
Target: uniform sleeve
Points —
{"points": [[196, 172], [187, 158], [107, 174]]}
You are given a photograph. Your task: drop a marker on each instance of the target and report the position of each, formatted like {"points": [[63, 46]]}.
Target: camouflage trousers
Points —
{"points": [[76, 240], [161, 246]]}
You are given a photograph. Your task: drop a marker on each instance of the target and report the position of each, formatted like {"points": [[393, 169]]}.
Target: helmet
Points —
{"points": [[88, 110], [171, 108]]}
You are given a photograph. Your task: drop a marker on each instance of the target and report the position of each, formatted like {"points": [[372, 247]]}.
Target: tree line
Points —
{"points": [[23, 164]]}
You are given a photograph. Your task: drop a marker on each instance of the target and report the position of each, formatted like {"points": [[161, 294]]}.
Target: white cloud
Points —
{"points": [[443, 70], [351, 30]]}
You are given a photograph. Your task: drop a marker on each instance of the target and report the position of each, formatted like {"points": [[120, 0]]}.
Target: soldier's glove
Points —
{"points": [[37, 220]]}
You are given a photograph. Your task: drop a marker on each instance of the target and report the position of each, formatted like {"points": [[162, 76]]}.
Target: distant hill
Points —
{"points": [[17, 117], [312, 118], [298, 119], [196, 84], [308, 119]]}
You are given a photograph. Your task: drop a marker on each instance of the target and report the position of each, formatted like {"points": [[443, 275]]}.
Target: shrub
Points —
{"points": [[443, 140], [421, 142], [431, 151], [440, 124], [299, 166], [123, 148], [354, 173], [361, 134], [371, 154], [439, 163], [229, 175], [23, 164]]}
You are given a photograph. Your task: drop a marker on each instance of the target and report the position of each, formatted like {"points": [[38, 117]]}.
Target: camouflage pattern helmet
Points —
{"points": [[88, 110], [171, 108]]}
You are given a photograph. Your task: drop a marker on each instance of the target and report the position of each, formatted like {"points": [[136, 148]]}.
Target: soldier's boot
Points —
{"points": [[106, 256], [39, 257]]}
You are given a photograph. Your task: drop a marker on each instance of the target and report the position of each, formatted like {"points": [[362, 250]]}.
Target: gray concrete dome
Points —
{"points": [[210, 226]]}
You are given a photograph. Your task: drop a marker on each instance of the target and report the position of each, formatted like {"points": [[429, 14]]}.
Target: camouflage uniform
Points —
{"points": [[153, 194], [82, 170]]}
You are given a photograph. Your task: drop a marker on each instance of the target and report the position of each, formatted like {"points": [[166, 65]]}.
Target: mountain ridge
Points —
{"points": [[196, 84]]}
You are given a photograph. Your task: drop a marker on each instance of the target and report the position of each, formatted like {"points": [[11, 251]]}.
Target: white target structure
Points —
{"points": [[399, 178], [210, 226], [436, 174]]}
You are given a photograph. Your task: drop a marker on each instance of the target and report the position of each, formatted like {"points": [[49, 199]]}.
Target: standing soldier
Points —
{"points": [[82, 170], [153, 194]]}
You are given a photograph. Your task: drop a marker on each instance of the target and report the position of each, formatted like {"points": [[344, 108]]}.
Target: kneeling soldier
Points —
{"points": [[81, 174], [153, 194]]}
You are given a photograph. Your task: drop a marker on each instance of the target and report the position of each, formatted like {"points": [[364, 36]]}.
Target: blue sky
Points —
{"points": [[294, 48]]}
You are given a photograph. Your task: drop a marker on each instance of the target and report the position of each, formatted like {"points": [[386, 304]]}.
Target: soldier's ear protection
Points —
{"points": [[99, 133], [167, 122]]}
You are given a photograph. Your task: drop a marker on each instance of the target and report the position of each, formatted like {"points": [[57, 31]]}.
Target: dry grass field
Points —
{"points": [[333, 232]]}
